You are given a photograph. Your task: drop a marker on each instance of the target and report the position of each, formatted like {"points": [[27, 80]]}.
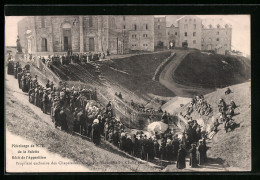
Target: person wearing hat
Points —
{"points": [[169, 149], [202, 150], [63, 120], [44, 102], [76, 123], [95, 135], [233, 105], [193, 160], [222, 105], [81, 119], [181, 164]]}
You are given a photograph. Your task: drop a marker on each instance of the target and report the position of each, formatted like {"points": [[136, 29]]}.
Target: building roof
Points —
{"points": [[215, 23], [187, 16]]}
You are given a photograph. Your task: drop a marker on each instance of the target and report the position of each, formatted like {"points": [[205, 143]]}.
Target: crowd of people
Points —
{"points": [[99, 122], [70, 57], [226, 114], [200, 105]]}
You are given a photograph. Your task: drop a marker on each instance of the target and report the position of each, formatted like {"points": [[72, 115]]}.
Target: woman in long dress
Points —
{"points": [[181, 164]]}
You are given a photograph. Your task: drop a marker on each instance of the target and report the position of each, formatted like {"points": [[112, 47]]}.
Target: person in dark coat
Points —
{"points": [[82, 121], [137, 147], [201, 153], [169, 150], [181, 164], [115, 138], [163, 149], [63, 120], [44, 102], [156, 148], [19, 77], [193, 160], [57, 116], [95, 134], [123, 142]]}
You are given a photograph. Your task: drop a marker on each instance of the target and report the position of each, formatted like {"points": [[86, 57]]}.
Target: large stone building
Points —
{"points": [[119, 34], [160, 38], [202, 34]]}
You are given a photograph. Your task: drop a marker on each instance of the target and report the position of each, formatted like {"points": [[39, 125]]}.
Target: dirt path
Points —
{"points": [[167, 80]]}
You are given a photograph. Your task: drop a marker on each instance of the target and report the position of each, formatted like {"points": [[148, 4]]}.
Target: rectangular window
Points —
{"points": [[194, 34], [135, 27], [185, 26], [217, 32], [123, 18], [146, 26], [168, 33], [176, 33], [185, 34], [145, 35], [42, 22], [194, 26], [134, 36], [124, 27], [194, 41], [159, 27], [217, 39], [90, 21]]}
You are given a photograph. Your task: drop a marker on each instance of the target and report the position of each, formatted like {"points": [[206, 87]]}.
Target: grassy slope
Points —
{"points": [[21, 120], [140, 71], [199, 69], [233, 147]]}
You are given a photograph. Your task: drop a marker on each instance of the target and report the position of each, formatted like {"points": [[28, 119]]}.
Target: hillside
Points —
{"points": [[212, 70], [232, 147], [28, 122], [135, 73]]}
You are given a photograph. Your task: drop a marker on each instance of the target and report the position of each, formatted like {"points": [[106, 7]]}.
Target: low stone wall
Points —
{"points": [[162, 66]]}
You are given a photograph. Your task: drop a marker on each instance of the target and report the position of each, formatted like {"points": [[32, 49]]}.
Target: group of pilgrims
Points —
{"points": [[70, 57], [92, 120]]}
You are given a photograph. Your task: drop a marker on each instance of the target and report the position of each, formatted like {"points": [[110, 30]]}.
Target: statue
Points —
{"points": [[18, 45]]}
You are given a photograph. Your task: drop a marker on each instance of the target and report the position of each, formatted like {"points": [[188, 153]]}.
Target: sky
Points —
{"points": [[240, 29]]}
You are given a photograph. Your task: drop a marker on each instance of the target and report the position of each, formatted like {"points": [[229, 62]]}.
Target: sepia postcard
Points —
{"points": [[127, 93]]}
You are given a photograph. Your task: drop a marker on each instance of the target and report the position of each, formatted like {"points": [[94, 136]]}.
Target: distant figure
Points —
{"points": [[18, 45], [181, 164], [228, 91], [108, 54]]}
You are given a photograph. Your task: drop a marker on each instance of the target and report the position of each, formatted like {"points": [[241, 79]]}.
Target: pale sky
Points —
{"points": [[240, 29]]}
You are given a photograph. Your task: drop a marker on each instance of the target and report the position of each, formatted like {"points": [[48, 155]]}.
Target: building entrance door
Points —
{"points": [[44, 44], [66, 39], [66, 43], [91, 44]]}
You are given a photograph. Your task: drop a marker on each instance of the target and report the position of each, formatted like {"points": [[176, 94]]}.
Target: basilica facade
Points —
{"points": [[119, 34]]}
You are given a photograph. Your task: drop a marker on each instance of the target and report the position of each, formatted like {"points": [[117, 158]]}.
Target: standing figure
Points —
{"points": [[181, 164], [193, 160], [95, 135]]}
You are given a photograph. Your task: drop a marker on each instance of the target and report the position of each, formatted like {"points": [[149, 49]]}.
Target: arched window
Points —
{"points": [[218, 26]]}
